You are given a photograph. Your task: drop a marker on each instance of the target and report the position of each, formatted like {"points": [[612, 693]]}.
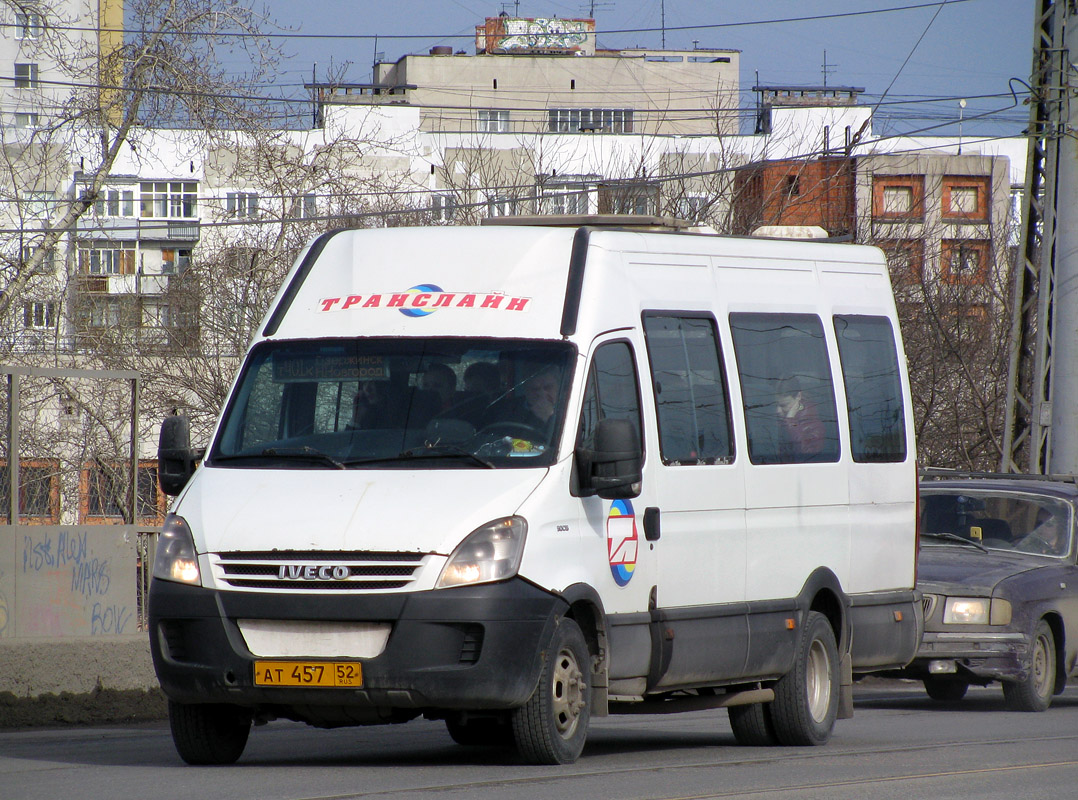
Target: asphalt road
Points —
{"points": [[899, 744]]}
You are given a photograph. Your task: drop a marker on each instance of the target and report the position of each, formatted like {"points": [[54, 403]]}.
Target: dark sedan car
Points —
{"points": [[997, 569]]}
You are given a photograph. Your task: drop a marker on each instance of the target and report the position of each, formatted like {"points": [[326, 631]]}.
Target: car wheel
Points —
{"points": [[1035, 692], [806, 698], [752, 725], [551, 727], [946, 690], [209, 733], [480, 731]]}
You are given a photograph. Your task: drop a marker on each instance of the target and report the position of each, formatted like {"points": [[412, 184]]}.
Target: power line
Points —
{"points": [[471, 36]]}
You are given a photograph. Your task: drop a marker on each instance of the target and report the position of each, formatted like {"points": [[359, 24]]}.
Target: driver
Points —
{"points": [[536, 408], [1048, 537]]}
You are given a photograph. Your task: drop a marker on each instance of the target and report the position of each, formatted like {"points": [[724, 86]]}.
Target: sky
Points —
{"points": [[917, 58]]}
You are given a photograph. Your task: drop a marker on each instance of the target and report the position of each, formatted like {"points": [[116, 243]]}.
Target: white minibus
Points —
{"points": [[514, 477]]}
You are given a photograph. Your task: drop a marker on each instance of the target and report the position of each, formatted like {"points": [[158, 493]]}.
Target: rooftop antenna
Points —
{"points": [[827, 68], [662, 17]]}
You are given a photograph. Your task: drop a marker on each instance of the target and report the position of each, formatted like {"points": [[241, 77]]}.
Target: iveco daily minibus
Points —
{"points": [[515, 477]]}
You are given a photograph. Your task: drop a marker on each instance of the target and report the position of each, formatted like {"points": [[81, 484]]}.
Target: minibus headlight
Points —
{"points": [[489, 553], [176, 559]]}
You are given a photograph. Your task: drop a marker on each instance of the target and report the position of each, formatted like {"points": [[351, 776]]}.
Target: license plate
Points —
{"points": [[309, 674]]}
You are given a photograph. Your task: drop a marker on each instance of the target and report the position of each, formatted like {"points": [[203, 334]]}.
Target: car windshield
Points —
{"points": [[1018, 521], [396, 403]]}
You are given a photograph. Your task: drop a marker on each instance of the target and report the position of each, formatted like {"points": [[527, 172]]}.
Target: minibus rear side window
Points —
{"points": [[691, 398], [869, 356], [786, 388]]}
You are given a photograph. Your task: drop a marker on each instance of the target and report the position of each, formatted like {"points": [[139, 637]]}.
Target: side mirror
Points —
{"points": [[613, 468], [175, 458]]}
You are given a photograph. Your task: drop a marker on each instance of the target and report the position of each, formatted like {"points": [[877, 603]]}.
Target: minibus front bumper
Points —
{"points": [[463, 648]]}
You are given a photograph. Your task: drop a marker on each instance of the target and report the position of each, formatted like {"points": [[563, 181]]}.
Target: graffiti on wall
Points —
{"points": [[510, 34], [67, 586]]}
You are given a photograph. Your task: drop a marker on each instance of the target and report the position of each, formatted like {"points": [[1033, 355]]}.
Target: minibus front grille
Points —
{"points": [[317, 570]]}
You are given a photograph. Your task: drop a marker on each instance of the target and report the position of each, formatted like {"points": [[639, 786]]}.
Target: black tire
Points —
{"points": [[948, 689], [806, 698], [752, 725], [209, 734], [480, 731], [552, 726], [1035, 692]]}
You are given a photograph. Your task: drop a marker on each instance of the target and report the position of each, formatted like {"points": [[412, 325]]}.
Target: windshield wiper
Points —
{"points": [[444, 451], [954, 537], [308, 453]]}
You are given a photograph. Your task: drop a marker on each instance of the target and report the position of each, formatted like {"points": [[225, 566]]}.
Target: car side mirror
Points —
{"points": [[175, 458], [613, 467]]}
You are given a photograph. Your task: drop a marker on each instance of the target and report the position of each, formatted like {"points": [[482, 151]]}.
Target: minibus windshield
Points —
{"points": [[396, 403]]}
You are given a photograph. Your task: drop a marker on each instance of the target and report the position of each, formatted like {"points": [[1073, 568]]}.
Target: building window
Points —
{"points": [[629, 198], [500, 205], [793, 186], [590, 120], [965, 198], [964, 262], [308, 206], [443, 207], [242, 204], [28, 25], [115, 203], [112, 259], [26, 120], [168, 199], [105, 488], [39, 492], [39, 314], [492, 120], [692, 207], [175, 262], [905, 260], [899, 197], [26, 76], [565, 199]]}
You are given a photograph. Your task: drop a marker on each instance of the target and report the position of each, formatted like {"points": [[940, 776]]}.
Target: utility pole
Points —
{"points": [[1041, 426]]}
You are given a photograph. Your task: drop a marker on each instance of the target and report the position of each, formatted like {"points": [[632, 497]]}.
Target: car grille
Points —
{"points": [[316, 570], [928, 603]]}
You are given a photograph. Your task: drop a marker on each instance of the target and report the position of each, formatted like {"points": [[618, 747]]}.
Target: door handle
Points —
{"points": [[651, 524]]}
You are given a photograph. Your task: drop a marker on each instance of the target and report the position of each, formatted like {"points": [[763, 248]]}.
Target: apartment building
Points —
{"points": [[530, 76]]}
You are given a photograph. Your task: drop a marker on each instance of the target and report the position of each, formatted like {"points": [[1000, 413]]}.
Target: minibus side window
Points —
{"points": [[869, 357], [691, 397], [611, 391], [786, 388]]}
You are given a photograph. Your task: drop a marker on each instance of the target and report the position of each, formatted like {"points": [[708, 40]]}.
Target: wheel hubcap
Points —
{"points": [[818, 681], [568, 693], [1040, 666]]}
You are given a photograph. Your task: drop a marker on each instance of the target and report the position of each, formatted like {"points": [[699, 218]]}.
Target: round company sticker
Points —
{"points": [[425, 288], [621, 541]]}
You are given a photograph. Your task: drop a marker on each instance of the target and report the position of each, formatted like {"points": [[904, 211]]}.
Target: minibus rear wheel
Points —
{"points": [[209, 733], [752, 725], [806, 698], [551, 727]]}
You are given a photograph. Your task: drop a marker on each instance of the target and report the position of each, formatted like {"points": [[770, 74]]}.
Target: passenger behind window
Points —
{"points": [[440, 379], [801, 432], [370, 406]]}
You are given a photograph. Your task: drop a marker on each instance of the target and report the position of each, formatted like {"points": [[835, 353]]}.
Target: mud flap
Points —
{"points": [[845, 687]]}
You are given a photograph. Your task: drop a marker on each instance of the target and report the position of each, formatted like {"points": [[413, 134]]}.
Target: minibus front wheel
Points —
{"points": [[209, 733], [552, 726]]}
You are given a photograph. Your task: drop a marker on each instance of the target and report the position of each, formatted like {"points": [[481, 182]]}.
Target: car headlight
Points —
{"points": [[976, 611], [176, 559], [489, 553]]}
